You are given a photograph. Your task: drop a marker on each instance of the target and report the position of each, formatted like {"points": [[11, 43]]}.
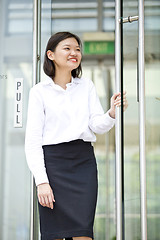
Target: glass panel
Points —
{"points": [[15, 62], [152, 75], [46, 32], [109, 15], [74, 16], [131, 125], [46, 29], [79, 17], [105, 224]]}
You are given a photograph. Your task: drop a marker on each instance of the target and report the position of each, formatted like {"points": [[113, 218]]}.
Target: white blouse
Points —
{"points": [[56, 115]]}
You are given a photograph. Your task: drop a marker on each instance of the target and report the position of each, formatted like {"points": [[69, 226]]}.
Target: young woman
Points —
{"points": [[64, 112]]}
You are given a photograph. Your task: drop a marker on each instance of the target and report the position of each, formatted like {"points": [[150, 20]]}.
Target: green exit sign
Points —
{"points": [[98, 47]]}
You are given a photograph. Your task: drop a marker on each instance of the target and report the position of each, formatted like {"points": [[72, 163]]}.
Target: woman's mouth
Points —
{"points": [[73, 59]]}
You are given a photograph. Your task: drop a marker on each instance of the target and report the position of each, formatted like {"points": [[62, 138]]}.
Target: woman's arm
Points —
{"points": [[99, 121], [33, 138], [33, 148]]}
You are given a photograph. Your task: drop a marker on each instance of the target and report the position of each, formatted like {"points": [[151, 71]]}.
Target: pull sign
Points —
{"points": [[18, 102]]}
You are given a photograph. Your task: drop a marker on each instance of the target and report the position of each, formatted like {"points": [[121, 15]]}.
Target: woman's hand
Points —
{"points": [[116, 102], [45, 195]]}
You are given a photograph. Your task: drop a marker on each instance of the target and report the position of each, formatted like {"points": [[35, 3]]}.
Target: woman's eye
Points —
{"points": [[67, 48], [78, 50]]}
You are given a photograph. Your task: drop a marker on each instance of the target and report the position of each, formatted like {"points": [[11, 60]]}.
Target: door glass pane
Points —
{"points": [[105, 224], [131, 125], [152, 75], [15, 62], [46, 32], [79, 15], [109, 15]]}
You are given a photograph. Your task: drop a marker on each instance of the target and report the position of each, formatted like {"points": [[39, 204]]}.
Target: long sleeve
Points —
{"points": [[99, 121], [33, 139], [56, 115]]}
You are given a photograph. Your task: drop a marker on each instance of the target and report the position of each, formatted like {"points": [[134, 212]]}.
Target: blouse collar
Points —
{"points": [[49, 81]]}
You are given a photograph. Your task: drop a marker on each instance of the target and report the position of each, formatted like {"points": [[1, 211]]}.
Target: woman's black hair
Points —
{"points": [[54, 40]]}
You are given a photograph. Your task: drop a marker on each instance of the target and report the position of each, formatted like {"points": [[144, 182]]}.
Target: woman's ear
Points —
{"points": [[50, 55]]}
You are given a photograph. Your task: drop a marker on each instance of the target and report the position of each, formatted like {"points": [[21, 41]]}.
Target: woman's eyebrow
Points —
{"points": [[70, 45]]}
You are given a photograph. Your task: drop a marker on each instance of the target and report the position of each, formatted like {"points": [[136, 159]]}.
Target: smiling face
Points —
{"points": [[67, 55]]}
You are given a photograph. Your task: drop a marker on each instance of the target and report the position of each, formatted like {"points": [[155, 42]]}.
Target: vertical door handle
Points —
{"points": [[141, 99], [137, 74], [141, 77], [118, 128]]}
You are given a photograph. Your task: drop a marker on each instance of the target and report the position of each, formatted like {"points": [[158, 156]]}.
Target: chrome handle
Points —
{"points": [[137, 74], [118, 125], [129, 19], [141, 63]]}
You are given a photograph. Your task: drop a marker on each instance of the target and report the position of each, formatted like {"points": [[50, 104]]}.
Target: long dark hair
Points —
{"points": [[48, 65]]}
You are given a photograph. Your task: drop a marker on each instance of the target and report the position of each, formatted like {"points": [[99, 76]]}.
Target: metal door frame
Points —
{"points": [[34, 229], [119, 119]]}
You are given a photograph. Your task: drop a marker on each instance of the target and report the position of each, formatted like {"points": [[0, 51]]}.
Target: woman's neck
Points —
{"points": [[62, 78]]}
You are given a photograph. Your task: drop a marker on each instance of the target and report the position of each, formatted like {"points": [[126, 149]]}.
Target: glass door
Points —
{"points": [[42, 25], [138, 128], [152, 75], [15, 82], [131, 141], [102, 74]]}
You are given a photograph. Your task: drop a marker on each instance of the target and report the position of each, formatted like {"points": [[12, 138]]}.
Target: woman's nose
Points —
{"points": [[73, 53]]}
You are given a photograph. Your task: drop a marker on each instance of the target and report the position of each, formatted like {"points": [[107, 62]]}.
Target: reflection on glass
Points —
{"points": [[132, 221], [15, 62], [104, 227], [152, 74], [109, 15], [74, 16], [131, 122]]}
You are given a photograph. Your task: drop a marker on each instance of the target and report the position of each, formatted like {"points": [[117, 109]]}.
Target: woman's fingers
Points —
{"points": [[50, 201], [41, 201], [116, 95], [125, 105], [52, 196], [117, 101], [45, 195], [46, 201]]}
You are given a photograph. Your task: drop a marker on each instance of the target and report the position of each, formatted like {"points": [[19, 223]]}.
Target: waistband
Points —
{"points": [[73, 142]]}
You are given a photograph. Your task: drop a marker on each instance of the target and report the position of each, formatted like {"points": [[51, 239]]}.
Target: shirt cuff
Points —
{"points": [[109, 118], [41, 178]]}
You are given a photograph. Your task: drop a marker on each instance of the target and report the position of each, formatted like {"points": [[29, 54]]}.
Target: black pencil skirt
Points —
{"points": [[72, 171]]}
